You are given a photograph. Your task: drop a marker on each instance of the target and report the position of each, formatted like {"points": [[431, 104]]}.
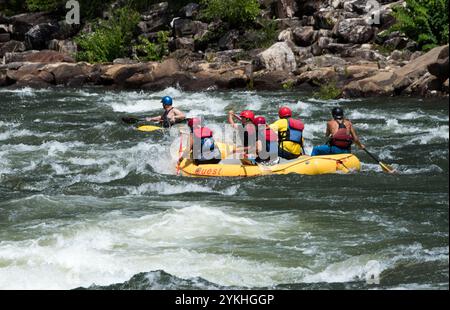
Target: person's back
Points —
{"points": [[266, 142], [341, 135], [290, 134], [203, 146]]}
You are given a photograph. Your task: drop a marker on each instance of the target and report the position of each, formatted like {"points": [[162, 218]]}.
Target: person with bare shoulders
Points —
{"points": [[341, 135], [171, 115]]}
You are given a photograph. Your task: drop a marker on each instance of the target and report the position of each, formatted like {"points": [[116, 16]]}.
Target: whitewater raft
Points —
{"points": [[305, 165]]}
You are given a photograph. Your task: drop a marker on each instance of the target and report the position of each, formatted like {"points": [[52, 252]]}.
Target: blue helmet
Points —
{"points": [[167, 100]]}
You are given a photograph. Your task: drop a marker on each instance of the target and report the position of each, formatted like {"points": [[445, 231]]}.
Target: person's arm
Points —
{"points": [[231, 116], [177, 116], [328, 132], [154, 119], [356, 138]]}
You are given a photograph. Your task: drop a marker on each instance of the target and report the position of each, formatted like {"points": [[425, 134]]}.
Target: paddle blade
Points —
{"points": [[387, 168], [130, 120], [149, 128]]}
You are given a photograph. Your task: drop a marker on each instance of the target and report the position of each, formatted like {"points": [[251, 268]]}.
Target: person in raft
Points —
{"points": [[341, 135], [202, 145], [290, 134], [171, 115], [246, 130], [266, 143]]}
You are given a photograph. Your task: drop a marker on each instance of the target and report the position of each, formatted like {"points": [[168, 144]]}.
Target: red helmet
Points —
{"points": [[285, 112], [194, 121], [259, 120], [248, 115]]}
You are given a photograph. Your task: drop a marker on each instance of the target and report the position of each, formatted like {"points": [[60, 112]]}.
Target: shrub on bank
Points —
{"points": [[424, 21], [111, 39], [235, 12]]}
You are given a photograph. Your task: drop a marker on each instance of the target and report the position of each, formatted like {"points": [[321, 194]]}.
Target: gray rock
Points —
{"points": [[285, 8], [155, 19], [304, 36], [190, 10], [184, 43], [229, 40], [445, 86], [12, 46], [5, 37], [353, 30], [278, 57], [39, 36]]}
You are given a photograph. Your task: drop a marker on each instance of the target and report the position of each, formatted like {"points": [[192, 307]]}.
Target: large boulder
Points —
{"points": [[377, 85], [156, 18], [22, 23], [67, 47], [318, 77], [190, 10], [305, 36], [45, 56], [272, 80], [417, 68], [286, 8], [64, 73], [11, 47], [278, 57], [412, 78], [445, 86], [353, 30], [229, 41], [39, 36], [440, 68]]}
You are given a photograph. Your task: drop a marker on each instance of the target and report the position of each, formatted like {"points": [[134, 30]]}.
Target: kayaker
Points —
{"points": [[290, 134], [341, 135], [246, 128], [202, 145], [266, 143], [171, 115]]}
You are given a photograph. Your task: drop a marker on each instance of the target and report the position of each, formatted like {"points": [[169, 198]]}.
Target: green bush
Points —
{"points": [[111, 39], [424, 21], [235, 12], [44, 5], [154, 51], [328, 91]]}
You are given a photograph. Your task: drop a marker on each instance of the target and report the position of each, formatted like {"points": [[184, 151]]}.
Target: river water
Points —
{"points": [[86, 201]]}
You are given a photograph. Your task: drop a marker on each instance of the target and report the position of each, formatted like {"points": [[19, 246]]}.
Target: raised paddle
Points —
{"points": [[386, 168]]}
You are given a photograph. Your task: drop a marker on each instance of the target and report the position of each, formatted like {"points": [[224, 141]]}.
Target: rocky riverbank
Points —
{"points": [[317, 43]]}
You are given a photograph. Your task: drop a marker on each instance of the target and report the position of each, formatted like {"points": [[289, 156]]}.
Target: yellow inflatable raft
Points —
{"points": [[307, 165]]}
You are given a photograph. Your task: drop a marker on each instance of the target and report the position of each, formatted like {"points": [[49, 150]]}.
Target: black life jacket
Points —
{"points": [[341, 138], [294, 133], [165, 120]]}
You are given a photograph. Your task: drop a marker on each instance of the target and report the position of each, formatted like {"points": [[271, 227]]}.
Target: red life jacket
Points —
{"points": [[202, 133], [341, 138], [294, 133]]}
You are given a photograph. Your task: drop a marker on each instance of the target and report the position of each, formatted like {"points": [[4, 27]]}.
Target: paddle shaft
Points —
{"points": [[373, 156]]}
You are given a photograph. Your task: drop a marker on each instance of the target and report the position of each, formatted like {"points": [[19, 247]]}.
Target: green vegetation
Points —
{"points": [[328, 91], [151, 51], [111, 39], [288, 85], [424, 21], [261, 38], [235, 12], [44, 5]]}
